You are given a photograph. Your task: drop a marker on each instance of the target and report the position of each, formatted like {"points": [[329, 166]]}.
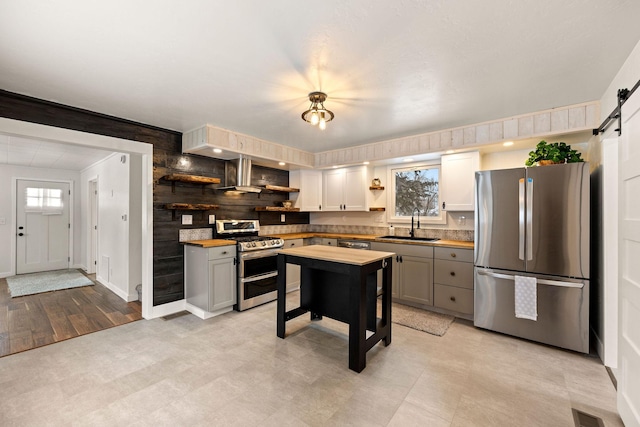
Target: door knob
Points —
{"points": [[20, 228], [453, 273], [20, 234]]}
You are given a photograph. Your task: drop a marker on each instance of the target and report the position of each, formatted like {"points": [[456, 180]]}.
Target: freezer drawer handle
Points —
{"points": [[521, 219], [540, 281]]}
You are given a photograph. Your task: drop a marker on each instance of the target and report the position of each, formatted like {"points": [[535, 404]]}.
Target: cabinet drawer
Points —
{"points": [[454, 299], [464, 255], [293, 243], [453, 273], [222, 252]]}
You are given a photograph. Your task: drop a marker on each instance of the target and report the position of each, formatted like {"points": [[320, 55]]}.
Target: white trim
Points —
{"points": [[116, 290], [165, 309], [204, 315]]}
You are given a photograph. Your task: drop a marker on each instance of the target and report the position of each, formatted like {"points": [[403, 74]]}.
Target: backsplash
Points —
{"points": [[438, 233], [195, 234]]}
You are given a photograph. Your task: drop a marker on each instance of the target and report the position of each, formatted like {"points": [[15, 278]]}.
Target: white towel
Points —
{"points": [[526, 299]]}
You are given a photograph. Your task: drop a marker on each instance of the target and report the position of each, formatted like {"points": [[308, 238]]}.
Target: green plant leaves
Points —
{"points": [[557, 152]]}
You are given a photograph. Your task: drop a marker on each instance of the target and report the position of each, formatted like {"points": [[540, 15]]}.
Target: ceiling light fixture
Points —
{"points": [[317, 114], [508, 144]]}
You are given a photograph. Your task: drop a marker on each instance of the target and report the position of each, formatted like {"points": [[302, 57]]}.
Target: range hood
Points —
{"points": [[238, 176]]}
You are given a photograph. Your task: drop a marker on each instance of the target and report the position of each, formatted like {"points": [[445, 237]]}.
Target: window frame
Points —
{"points": [[391, 195]]}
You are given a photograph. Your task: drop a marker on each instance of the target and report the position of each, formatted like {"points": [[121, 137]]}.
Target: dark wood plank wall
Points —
{"points": [[168, 282]]}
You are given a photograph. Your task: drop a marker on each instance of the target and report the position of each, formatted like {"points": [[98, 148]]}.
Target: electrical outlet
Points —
{"points": [[3, 221], [187, 219], [282, 218], [212, 219]]}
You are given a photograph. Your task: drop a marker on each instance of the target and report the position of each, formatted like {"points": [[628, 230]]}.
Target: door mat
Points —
{"points": [[421, 320], [35, 283]]}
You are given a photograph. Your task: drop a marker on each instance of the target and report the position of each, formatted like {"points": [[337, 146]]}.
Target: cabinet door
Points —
{"points": [[416, 279], [293, 271], [309, 199], [356, 189], [458, 180], [333, 189], [329, 242], [222, 290]]}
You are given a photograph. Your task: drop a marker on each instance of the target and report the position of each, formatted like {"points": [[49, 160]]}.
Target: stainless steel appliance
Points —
{"points": [[534, 222], [354, 244], [257, 261]]}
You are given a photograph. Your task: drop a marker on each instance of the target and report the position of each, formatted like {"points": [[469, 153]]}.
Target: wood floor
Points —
{"points": [[36, 320]]}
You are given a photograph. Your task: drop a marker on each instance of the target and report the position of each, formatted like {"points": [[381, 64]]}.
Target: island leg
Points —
{"points": [[357, 325], [281, 308]]}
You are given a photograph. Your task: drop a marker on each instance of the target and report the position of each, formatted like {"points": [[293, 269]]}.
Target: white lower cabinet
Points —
{"points": [[293, 271], [210, 277]]}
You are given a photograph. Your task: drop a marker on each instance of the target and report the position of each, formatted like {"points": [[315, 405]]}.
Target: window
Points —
{"points": [[45, 200], [415, 190]]}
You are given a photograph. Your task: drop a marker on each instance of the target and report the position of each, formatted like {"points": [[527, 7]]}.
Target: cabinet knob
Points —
{"points": [[224, 253], [293, 244], [453, 273], [452, 299], [453, 255], [319, 207]]}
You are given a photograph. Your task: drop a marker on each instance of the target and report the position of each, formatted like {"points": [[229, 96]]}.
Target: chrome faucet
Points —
{"points": [[412, 233]]}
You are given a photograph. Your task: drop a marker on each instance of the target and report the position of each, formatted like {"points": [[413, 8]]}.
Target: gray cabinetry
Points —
{"points": [[210, 277], [453, 280], [412, 281], [293, 270]]}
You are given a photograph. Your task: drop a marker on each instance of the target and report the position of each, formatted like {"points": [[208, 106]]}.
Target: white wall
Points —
{"points": [[113, 222], [7, 211]]}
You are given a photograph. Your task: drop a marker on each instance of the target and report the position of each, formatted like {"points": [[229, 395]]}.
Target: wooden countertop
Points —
{"points": [[459, 244], [339, 255], [210, 243]]}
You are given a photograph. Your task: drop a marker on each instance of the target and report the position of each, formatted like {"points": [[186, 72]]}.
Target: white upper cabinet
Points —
{"points": [[458, 181], [346, 189], [309, 199]]}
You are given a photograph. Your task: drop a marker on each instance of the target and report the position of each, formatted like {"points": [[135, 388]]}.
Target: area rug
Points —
{"points": [[421, 320], [35, 283]]}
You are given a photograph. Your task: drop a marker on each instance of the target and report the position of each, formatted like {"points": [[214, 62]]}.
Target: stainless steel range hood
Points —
{"points": [[238, 176]]}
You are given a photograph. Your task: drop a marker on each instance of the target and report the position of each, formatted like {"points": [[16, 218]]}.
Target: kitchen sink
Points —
{"points": [[415, 239]]}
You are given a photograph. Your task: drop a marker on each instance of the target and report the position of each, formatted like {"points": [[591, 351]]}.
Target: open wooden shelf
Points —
{"points": [[190, 179], [276, 209], [281, 189], [377, 209], [376, 187]]}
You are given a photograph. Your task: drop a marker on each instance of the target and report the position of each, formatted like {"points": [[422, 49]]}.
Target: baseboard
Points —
{"points": [[116, 290], [598, 344], [205, 314], [167, 309], [6, 274]]}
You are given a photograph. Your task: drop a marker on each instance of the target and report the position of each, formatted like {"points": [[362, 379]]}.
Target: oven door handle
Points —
{"points": [[259, 277], [259, 254]]}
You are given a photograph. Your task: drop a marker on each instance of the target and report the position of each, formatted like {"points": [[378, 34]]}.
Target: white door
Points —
{"points": [[42, 214], [629, 267]]}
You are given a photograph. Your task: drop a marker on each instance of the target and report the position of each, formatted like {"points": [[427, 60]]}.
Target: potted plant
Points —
{"points": [[553, 153]]}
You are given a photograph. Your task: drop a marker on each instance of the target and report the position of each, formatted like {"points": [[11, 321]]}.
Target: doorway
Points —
{"points": [[43, 226]]}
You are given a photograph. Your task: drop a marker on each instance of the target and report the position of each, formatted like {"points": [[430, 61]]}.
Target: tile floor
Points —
{"points": [[233, 370]]}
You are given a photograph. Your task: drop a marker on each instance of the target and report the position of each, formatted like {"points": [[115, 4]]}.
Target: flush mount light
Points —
{"points": [[508, 143], [317, 114], [217, 150], [281, 163], [449, 152]]}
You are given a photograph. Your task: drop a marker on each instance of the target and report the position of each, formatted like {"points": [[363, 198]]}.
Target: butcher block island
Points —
{"points": [[340, 283]]}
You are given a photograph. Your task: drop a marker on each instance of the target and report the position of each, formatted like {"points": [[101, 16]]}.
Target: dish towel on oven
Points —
{"points": [[526, 298]]}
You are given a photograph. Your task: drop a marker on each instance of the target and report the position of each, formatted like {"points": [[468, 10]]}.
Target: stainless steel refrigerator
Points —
{"points": [[534, 223]]}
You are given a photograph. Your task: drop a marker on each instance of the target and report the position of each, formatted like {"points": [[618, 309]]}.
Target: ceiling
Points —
{"points": [[46, 154], [390, 69]]}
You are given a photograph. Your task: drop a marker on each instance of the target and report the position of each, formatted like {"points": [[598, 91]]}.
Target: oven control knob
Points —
{"points": [[264, 243], [253, 244]]}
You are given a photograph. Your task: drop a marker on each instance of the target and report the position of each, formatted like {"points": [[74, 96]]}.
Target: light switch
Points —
{"points": [[212, 219], [187, 219], [282, 219]]}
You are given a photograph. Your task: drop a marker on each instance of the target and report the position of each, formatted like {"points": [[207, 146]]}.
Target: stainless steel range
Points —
{"points": [[257, 261]]}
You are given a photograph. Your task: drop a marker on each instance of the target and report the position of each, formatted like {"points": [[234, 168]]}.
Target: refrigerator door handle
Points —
{"points": [[529, 231], [521, 219], [539, 281]]}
